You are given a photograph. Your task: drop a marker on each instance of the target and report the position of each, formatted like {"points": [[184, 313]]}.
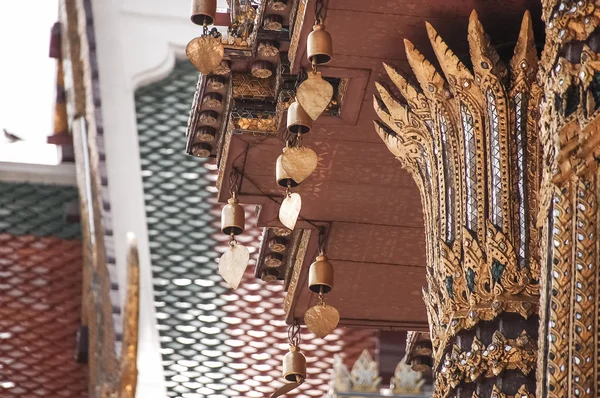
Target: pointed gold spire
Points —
{"points": [[396, 110], [456, 72], [525, 55], [430, 80], [415, 99], [484, 57]]}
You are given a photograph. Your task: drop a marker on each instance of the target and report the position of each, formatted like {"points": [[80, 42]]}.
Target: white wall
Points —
{"points": [[137, 43]]}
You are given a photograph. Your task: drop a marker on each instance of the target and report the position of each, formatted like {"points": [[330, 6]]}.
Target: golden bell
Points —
{"points": [[294, 364], [233, 219], [204, 12], [319, 46], [320, 275], [298, 121], [282, 176]]}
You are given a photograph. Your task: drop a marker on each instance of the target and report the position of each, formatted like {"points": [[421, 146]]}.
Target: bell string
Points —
{"points": [[322, 240], [321, 11], [232, 240], [314, 67], [234, 183]]}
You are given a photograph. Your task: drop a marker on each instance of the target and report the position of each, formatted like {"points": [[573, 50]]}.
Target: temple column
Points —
{"points": [[470, 140]]}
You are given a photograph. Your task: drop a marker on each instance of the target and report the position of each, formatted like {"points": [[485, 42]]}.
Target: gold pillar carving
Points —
{"points": [[506, 162], [469, 138]]}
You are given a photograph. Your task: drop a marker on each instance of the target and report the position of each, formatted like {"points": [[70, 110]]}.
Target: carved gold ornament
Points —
{"points": [[485, 362], [458, 137], [205, 53]]}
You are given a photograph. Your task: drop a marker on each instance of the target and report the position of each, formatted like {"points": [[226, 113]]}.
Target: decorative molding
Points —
{"points": [[298, 256]]}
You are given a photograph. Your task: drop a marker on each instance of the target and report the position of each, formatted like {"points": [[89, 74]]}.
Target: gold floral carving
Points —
{"points": [[481, 361], [470, 141]]}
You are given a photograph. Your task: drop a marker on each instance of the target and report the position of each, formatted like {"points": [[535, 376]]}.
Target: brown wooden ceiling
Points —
{"points": [[376, 240]]}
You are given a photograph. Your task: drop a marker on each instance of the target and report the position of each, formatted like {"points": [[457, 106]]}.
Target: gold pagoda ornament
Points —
{"points": [[234, 261], [315, 93], [294, 364], [205, 52]]}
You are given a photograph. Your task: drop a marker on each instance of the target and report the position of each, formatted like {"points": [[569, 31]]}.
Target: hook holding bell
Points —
{"points": [[319, 47], [233, 219], [298, 121]]}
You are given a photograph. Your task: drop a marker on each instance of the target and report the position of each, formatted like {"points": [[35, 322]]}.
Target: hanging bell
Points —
{"points": [[320, 275], [320, 46], [282, 176], [294, 365], [204, 12], [233, 219], [298, 121]]}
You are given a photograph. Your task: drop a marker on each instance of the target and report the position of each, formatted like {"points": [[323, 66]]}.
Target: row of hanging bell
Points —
{"points": [[294, 165], [234, 261], [206, 51], [312, 98]]}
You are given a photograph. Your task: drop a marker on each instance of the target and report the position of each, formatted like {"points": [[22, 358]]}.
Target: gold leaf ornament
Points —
{"points": [[233, 263], [299, 162], [290, 210], [205, 53], [314, 94], [322, 319]]}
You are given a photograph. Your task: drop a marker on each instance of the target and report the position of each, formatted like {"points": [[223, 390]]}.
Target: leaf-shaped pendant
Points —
{"points": [[321, 319], [299, 163], [205, 53], [233, 263], [290, 210], [314, 94]]}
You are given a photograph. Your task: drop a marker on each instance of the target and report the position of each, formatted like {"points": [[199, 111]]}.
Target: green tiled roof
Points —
{"points": [[180, 224], [34, 209]]}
